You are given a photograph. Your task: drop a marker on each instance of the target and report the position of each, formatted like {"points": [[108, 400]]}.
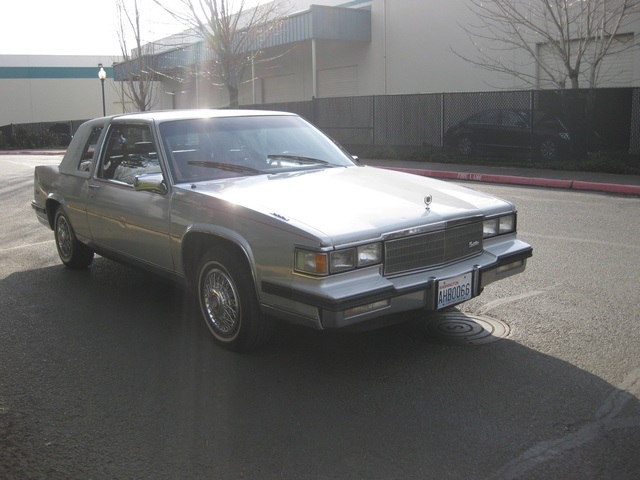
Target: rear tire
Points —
{"points": [[229, 304], [73, 253], [548, 149]]}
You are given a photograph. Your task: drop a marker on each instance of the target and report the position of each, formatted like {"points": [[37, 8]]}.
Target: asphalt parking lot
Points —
{"points": [[109, 373]]}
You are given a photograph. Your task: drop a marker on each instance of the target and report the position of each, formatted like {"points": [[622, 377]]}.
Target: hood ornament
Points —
{"points": [[427, 201]]}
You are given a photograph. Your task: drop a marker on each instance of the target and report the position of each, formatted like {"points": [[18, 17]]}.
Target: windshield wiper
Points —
{"points": [[298, 158], [230, 167]]}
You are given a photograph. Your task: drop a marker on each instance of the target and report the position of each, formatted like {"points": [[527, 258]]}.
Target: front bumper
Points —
{"points": [[359, 301]]}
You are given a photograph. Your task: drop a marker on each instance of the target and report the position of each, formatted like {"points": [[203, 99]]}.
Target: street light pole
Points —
{"points": [[102, 75]]}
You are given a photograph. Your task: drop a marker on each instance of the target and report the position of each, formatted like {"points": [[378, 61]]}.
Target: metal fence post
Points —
{"points": [[442, 124], [634, 134], [314, 120], [531, 119], [373, 120]]}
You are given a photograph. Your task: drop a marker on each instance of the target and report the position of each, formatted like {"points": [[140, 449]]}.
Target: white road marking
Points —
{"points": [[28, 245], [605, 421]]}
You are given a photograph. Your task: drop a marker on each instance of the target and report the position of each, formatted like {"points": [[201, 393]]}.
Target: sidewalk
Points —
{"points": [[593, 181]]}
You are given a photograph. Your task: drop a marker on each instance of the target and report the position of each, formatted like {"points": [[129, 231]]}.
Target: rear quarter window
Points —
{"points": [[89, 149]]}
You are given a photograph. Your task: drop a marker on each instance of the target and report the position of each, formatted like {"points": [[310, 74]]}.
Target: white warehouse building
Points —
{"points": [[51, 88], [338, 48], [356, 48]]}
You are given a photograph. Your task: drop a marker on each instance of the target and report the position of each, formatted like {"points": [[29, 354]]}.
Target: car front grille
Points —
{"points": [[432, 249]]}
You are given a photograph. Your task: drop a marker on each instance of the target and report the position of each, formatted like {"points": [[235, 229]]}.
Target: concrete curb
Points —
{"points": [[529, 181], [32, 152]]}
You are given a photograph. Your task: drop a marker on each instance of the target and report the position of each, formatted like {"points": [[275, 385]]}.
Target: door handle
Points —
{"points": [[94, 186]]}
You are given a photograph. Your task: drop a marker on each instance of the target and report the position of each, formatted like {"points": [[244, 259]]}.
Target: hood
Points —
{"points": [[350, 203]]}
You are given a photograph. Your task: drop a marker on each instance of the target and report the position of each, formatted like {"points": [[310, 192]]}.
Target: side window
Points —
{"points": [[490, 117], [512, 119], [89, 149], [130, 151]]}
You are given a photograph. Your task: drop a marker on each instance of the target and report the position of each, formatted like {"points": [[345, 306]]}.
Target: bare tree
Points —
{"points": [[139, 86], [236, 31], [559, 40]]}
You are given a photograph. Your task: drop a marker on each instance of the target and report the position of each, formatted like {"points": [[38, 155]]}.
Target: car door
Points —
{"points": [[515, 131], [122, 220], [486, 128], [74, 179]]}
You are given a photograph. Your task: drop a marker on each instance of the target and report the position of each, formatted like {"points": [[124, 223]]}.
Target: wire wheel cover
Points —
{"points": [[465, 145], [548, 150], [65, 245], [221, 303]]}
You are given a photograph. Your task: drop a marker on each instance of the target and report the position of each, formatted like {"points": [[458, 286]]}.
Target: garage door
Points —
{"points": [[279, 89], [338, 82]]}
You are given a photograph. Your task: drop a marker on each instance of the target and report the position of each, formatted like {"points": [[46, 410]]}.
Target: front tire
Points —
{"points": [[229, 304], [73, 253]]}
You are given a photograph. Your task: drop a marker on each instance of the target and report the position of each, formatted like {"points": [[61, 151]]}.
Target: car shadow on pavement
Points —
{"points": [[110, 373]]}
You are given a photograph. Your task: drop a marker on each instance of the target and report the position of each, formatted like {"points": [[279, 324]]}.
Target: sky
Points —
{"points": [[78, 27], [70, 27]]}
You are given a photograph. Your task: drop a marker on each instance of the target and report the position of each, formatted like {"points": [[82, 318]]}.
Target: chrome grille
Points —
{"points": [[432, 249]]}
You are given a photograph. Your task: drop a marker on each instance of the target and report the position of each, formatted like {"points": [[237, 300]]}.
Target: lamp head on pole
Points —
{"points": [[102, 75]]}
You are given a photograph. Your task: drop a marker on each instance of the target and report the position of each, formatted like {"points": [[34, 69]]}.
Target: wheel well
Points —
{"points": [[196, 244], [51, 207]]}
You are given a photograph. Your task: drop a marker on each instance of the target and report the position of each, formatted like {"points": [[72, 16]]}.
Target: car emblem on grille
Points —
{"points": [[474, 243], [427, 201]]}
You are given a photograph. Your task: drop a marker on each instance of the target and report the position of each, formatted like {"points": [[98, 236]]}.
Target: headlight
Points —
{"points": [[499, 226], [369, 254], [342, 260]]}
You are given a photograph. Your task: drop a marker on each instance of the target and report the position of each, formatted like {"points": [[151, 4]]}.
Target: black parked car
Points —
{"points": [[509, 130]]}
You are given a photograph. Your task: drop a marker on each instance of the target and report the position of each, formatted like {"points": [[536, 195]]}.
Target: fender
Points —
{"points": [[59, 200], [202, 230]]}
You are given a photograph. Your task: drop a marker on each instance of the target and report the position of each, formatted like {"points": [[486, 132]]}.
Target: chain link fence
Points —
{"points": [[459, 106], [634, 140], [418, 121], [38, 135], [422, 120], [348, 120]]}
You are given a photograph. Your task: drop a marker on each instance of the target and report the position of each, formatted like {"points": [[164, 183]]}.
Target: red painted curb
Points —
{"points": [[529, 181], [607, 187]]}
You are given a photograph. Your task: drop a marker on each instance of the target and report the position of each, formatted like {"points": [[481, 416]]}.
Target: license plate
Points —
{"points": [[454, 290]]}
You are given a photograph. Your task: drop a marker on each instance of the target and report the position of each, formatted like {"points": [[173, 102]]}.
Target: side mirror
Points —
{"points": [[150, 182]]}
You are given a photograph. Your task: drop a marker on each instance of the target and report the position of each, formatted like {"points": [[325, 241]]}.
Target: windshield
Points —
{"points": [[213, 148]]}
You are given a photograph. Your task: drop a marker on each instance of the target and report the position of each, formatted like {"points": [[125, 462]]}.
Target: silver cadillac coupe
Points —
{"points": [[265, 217]]}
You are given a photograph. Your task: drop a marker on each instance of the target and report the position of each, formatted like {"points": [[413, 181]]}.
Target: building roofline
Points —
{"points": [[319, 22]]}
